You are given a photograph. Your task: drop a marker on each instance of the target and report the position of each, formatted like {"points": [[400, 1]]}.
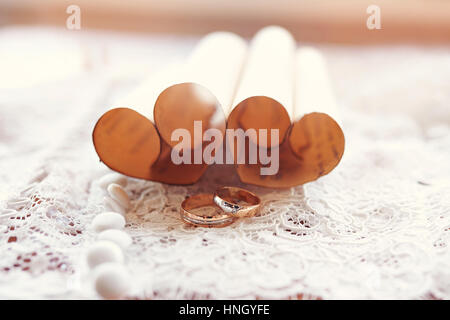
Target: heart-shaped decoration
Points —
{"points": [[312, 148], [127, 142]]}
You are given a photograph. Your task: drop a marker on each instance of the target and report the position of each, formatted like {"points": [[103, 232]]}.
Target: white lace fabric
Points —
{"points": [[377, 227]]}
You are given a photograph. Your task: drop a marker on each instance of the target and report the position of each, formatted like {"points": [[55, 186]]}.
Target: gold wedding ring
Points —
{"points": [[231, 202], [237, 202], [199, 201]]}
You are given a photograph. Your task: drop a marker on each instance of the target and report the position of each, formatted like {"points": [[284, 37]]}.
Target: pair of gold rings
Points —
{"points": [[233, 203]]}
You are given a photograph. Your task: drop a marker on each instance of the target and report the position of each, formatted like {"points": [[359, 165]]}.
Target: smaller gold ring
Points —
{"points": [[230, 199], [199, 201]]}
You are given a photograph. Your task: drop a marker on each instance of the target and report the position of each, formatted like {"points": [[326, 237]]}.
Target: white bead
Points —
{"points": [[119, 237], [111, 204], [109, 178], [112, 281], [102, 252], [108, 220], [117, 193]]}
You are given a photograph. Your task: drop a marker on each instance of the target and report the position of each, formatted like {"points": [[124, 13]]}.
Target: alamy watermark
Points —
{"points": [[373, 22], [73, 21], [236, 142]]}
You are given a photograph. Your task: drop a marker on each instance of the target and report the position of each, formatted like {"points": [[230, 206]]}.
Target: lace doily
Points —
{"points": [[378, 226]]}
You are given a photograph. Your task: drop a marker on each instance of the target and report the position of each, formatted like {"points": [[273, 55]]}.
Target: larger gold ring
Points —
{"points": [[199, 201], [237, 202]]}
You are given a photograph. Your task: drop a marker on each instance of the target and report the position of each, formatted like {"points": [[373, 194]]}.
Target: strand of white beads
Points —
{"points": [[105, 257]]}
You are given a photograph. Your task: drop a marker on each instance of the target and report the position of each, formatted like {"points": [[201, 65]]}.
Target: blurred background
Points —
{"points": [[343, 21], [126, 41]]}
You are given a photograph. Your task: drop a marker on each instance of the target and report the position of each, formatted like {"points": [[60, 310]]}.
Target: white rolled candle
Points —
{"points": [[204, 90], [216, 63], [313, 90], [316, 138], [144, 96], [264, 98]]}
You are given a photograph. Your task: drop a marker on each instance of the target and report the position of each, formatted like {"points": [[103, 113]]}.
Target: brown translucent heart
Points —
{"points": [[314, 147], [182, 105], [309, 147], [260, 112], [127, 142], [317, 140]]}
